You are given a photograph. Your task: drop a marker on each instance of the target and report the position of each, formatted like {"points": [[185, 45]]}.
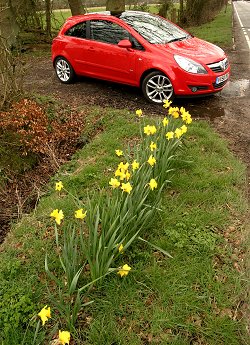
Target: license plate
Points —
{"points": [[222, 78]]}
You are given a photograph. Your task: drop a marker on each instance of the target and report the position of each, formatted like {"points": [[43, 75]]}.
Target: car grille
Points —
{"points": [[217, 86], [220, 66]]}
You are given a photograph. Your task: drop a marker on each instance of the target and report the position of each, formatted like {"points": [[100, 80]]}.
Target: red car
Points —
{"points": [[139, 49]]}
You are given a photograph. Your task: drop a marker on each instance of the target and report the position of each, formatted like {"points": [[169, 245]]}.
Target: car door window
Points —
{"points": [[107, 32], [78, 30]]}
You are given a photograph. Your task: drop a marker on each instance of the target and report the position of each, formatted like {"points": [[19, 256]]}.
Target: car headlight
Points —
{"points": [[189, 65]]}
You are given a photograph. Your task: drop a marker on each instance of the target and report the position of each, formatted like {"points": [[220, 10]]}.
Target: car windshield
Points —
{"points": [[153, 28]]}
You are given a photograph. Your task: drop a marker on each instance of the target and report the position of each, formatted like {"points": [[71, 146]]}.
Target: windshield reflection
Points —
{"points": [[154, 29]]}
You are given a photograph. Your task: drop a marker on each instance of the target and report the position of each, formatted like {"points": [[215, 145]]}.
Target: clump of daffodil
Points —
{"points": [[44, 314], [167, 103], [64, 337], [124, 270], [126, 187], [119, 153], [79, 214], [151, 160], [122, 172], [138, 112], [58, 215], [59, 186], [149, 130], [152, 184], [114, 183], [170, 135], [135, 165], [152, 146]]}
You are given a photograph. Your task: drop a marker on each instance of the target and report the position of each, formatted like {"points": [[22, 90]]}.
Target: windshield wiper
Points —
{"points": [[178, 39]]}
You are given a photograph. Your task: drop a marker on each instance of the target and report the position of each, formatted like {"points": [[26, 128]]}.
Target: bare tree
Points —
{"points": [[76, 7], [115, 6]]}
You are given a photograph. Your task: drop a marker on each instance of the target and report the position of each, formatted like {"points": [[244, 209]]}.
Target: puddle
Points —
{"points": [[237, 88], [203, 111]]}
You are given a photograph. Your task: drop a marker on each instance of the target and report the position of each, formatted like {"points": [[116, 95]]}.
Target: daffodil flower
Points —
{"points": [[119, 153], [167, 103], [123, 166], [124, 271], [184, 129], [58, 215], [64, 337], [79, 214], [148, 130], [126, 187], [114, 183], [165, 122], [59, 186], [178, 133], [45, 314], [170, 135], [153, 146], [135, 165], [138, 112], [153, 184], [151, 160], [120, 248], [174, 112]]}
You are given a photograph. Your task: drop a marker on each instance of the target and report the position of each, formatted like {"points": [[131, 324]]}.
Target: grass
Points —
{"points": [[193, 297], [218, 31]]}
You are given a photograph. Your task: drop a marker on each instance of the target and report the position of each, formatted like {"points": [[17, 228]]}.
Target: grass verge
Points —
{"points": [[218, 31], [194, 298]]}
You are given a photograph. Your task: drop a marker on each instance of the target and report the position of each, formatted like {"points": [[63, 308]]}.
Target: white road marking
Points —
{"points": [[243, 29]]}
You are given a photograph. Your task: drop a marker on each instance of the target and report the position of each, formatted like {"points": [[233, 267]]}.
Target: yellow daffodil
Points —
{"points": [[135, 165], [167, 103], [165, 122], [153, 146], [79, 214], [58, 215], [126, 187], [149, 130], [138, 112], [174, 112], [178, 133], [152, 184], [64, 337], [45, 314], [170, 135], [184, 129], [114, 183], [123, 166], [151, 160], [127, 174], [120, 248], [119, 153], [59, 186], [124, 270], [186, 117]]}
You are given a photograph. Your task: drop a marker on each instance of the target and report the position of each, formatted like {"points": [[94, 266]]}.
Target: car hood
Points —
{"points": [[196, 49]]}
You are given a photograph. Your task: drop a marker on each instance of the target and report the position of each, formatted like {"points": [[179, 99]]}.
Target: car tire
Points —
{"points": [[157, 87], [64, 70]]}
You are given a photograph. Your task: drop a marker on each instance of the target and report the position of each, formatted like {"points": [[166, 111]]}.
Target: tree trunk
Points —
{"points": [[9, 28], [181, 11], [115, 6], [48, 17], [76, 7]]}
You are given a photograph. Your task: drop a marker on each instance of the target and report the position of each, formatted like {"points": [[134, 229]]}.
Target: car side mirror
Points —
{"points": [[125, 44]]}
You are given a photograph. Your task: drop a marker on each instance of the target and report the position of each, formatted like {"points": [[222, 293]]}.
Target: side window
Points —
{"points": [[78, 30], [107, 32]]}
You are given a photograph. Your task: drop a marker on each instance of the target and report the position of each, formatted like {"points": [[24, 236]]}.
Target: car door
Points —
{"points": [[104, 58]]}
